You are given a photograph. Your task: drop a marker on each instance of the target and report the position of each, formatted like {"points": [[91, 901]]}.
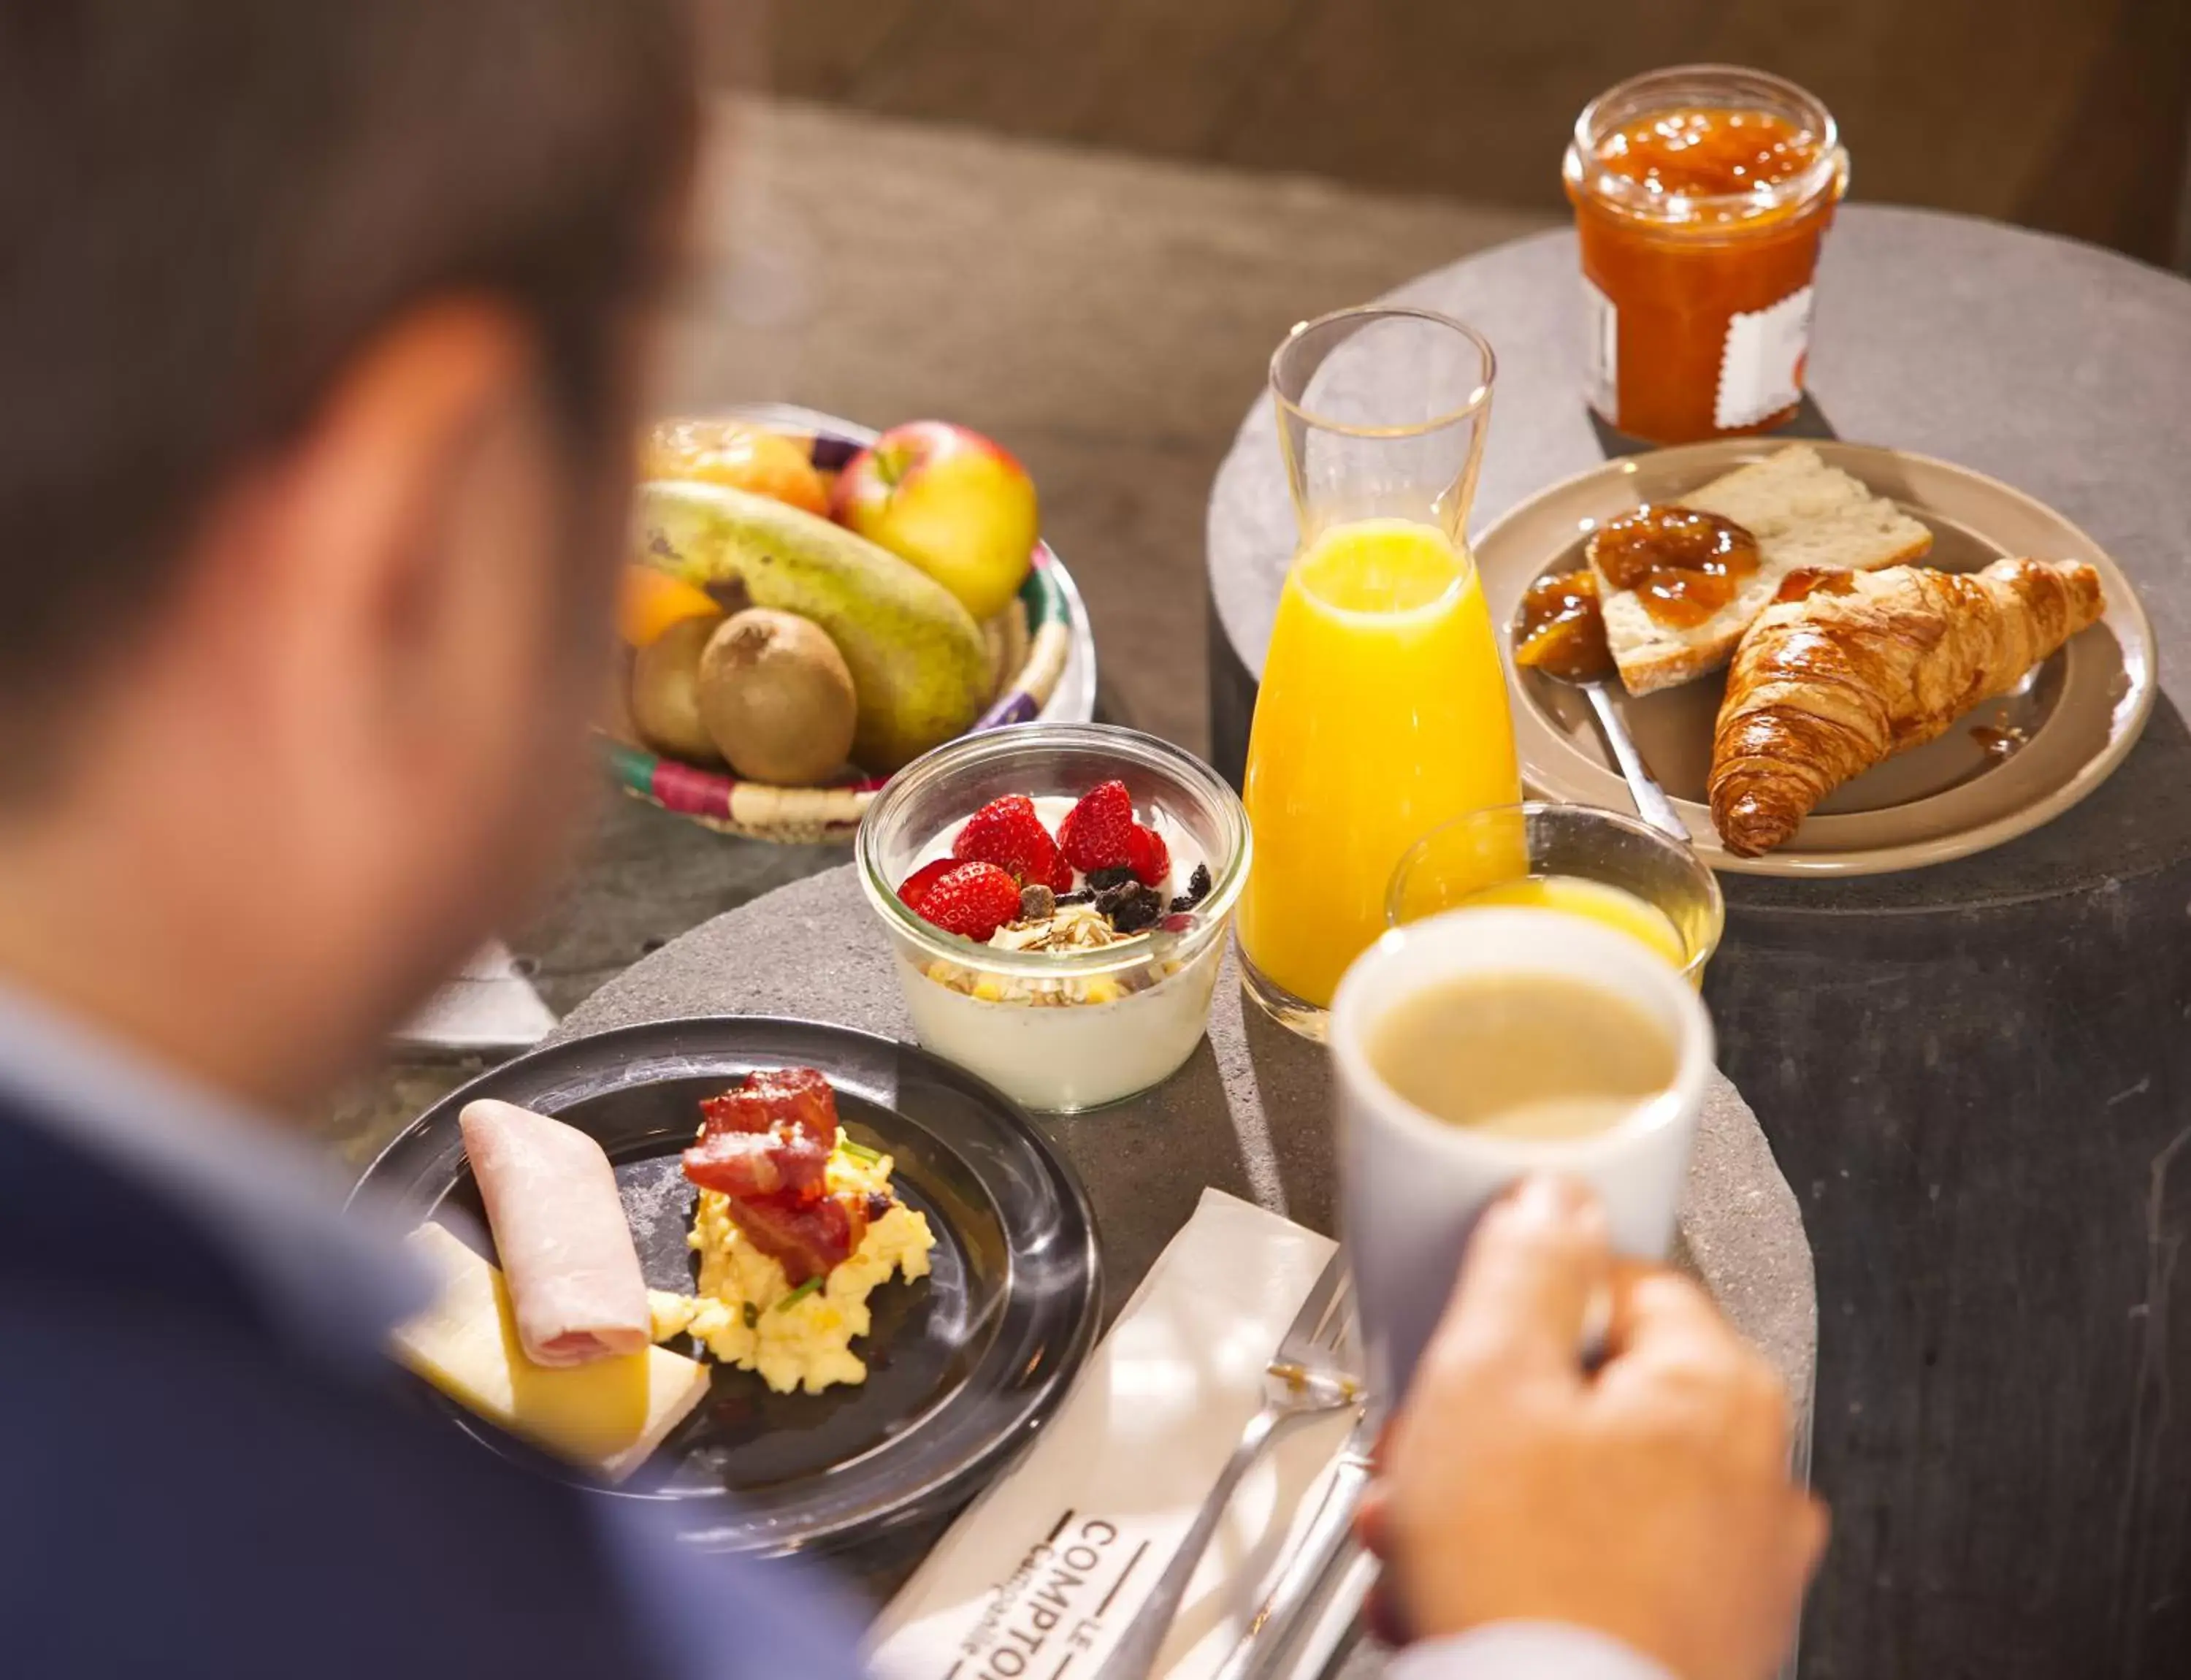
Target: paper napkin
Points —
{"points": [[1038, 1577]]}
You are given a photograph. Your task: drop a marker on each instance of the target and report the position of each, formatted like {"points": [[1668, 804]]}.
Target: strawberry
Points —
{"points": [[1096, 833], [1147, 857], [972, 900], [1006, 832], [915, 890], [1061, 875]]}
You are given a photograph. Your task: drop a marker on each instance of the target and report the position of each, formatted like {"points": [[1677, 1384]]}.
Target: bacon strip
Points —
{"points": [[809, 1239], [764, 1146], [797, 1099], [770, 1136]]}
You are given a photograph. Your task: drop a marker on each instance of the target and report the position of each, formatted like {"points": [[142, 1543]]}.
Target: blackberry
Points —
{"points": [[1183, 903], [1037, 902], [1102, 879], [1131, 908], [1084, 896], [1197, 884]]}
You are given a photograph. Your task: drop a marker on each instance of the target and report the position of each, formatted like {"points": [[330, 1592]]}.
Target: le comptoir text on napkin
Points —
{"points": [[1037, 1578]]}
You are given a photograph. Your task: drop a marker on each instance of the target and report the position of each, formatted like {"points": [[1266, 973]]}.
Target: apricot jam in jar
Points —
{"points": [[1701, 195]]}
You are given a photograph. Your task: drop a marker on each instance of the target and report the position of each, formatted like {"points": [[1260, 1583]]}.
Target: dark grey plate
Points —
{"points": [[962, 1365]]}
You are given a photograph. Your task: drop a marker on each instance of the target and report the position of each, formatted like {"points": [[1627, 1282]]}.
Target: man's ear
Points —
{"points": [[333, 564]]}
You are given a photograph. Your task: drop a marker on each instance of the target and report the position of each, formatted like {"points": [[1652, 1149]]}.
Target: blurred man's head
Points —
{"points": [[320, 332]]}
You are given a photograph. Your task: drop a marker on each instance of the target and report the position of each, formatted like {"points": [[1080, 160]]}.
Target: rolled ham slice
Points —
{"points": [[566, 1253]]}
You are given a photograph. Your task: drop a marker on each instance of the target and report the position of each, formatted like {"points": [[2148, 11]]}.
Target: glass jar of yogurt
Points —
{"points": [[1061, 1011]]}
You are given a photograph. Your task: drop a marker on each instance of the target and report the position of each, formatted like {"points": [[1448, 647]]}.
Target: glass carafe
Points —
{"points": [[1383, 708]]}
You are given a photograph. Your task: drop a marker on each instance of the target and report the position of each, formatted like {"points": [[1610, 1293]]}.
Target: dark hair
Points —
{"points": [[207, 207]]}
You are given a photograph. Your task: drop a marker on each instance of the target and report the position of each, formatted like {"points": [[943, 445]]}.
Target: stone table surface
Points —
{"points": [[1248, 1114], [1976, 1074]]}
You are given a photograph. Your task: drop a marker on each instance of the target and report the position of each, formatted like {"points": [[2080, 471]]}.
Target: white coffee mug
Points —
{"points": [[1413, 1186]]}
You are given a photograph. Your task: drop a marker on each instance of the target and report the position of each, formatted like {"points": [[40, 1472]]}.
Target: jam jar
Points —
{"points": [[1701, 195]]}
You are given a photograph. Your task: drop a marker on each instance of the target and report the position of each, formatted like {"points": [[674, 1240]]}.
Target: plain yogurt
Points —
{"points": [[1075, 1041]]}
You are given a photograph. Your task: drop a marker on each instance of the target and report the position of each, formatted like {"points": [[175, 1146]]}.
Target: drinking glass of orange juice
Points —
{"points": [[1600, 865], [1383, 708]]}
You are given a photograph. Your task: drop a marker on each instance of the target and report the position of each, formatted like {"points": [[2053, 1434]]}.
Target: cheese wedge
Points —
{"points": [[608, 1416]]}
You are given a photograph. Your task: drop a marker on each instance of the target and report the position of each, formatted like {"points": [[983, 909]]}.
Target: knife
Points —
{"points": [[1327, 1574]]}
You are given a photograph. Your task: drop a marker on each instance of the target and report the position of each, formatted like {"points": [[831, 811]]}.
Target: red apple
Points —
{"points": [[948, 499]]}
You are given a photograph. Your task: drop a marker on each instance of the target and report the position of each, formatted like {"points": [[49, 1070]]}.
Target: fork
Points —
{"points": [[1303, 1380]]}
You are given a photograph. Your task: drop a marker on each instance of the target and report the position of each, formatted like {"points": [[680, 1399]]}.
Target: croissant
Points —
{"points": [[1845, 668]]}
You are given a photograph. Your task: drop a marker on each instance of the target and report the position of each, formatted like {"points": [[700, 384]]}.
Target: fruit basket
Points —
{"points": [[1040, 648]]}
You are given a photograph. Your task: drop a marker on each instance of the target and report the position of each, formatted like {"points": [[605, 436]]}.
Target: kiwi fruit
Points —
{"points": [[665, 698], [776, 698]]}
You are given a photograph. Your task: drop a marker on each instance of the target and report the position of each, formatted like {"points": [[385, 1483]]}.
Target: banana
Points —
{"points": [[917, 658]]}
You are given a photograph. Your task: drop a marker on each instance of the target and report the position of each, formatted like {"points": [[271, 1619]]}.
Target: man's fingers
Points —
{"points": [[1382, 1615], [1817, 1529], [1372, 1519], [1672, 1352], [1538, 1257], [1659, 1311]]}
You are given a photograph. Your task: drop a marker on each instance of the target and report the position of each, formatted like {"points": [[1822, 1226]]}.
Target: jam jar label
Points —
{"points": [[1601, 352], [1761, 367]]}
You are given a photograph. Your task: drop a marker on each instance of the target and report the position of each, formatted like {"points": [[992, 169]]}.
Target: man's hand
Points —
{"points": [[1649, 1501]]}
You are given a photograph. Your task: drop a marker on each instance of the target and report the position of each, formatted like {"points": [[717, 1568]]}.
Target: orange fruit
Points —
{"points": [[735, 452], [650, 601]]}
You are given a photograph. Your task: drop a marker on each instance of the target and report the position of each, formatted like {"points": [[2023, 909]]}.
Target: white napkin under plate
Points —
{"points": [[1039, 1575]]}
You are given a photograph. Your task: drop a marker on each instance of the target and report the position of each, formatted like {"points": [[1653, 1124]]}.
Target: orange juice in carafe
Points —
{"points": [[1383, 713]]}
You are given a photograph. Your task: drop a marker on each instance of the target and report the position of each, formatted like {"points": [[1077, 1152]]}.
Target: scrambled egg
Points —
{"points": [[747, 1313]]}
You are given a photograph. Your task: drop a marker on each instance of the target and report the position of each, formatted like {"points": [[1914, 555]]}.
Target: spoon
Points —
{"points": [[1560, 624]]}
